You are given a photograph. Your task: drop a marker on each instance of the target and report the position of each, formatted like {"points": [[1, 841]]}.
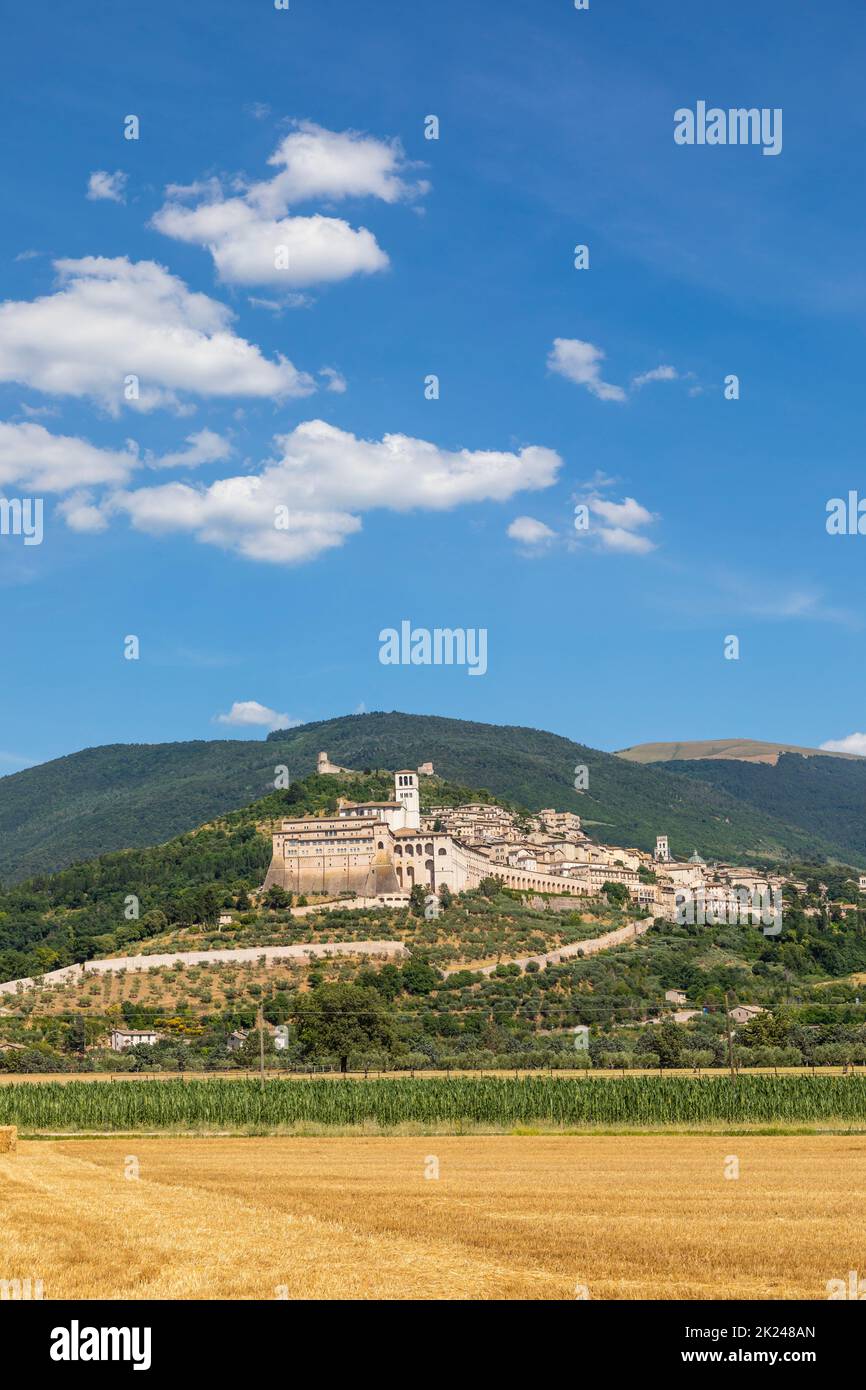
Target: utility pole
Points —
{"points": [[730, 1037], [262, 1045]]}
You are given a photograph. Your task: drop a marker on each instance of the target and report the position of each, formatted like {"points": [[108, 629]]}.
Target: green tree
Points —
{"points": [[616, 893], [336, 1020], [76, 1035], [277, 1007], [153, 922], [277, 897], [387, 980], [489, 887], [418, 977], [417, 899]]}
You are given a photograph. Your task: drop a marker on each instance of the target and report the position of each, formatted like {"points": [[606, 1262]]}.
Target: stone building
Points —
{"points": [[375, 849], [382, 849], [324, 766]]}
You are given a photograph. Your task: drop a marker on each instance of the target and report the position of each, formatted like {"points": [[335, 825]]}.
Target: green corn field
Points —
{"points": [[497, 1101]]}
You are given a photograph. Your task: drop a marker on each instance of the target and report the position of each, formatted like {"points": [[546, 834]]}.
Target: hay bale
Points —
{"points": [[8, 1139]]}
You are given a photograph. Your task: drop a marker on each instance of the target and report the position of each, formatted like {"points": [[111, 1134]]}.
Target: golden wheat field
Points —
{"points": [[507, 1217]]}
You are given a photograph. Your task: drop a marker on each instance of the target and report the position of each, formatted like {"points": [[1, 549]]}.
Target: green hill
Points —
{"points": [[121, 796], [78, 912], [822, 795], [133, 795]]}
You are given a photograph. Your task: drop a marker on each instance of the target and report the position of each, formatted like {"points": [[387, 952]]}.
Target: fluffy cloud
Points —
{"points": [[851, 743], [204, 446], [112, 318], [238, 514], [530, 533], [250, 714], [336, 381], [627, 515], [82, 514], [617, 525], [251, 236], [248, 249], [307, 499], [657, 374], [109, 187], [581, 363], [329, 466], [330, 165], [617, 538], [32, 458]]}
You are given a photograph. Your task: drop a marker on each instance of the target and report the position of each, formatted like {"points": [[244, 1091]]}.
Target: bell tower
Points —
{"points": [[406, 792], [662, 853]]}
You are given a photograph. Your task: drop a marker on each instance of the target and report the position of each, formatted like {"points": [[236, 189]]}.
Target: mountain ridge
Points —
{"points": [[747, 750], [123, 796]]}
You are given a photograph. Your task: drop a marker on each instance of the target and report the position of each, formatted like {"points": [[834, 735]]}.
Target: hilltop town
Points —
{"points": [[378, 851]]}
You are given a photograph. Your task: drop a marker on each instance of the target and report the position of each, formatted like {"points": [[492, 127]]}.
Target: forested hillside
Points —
{"points": [[81, 912], [127, 796], [823, 796]]}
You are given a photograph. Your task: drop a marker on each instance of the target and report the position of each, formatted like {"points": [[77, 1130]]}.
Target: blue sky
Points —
{"points": [[407, 257]]}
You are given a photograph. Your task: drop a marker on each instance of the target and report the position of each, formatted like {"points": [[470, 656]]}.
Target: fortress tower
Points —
{"points": [[406, 792], [324, 766]]}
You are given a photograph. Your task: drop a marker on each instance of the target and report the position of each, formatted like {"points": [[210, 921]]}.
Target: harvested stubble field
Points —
{"points": [[651, 1217]]}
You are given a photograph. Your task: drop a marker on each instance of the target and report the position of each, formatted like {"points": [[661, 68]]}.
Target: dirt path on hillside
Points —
{"points": [[629, 932]]}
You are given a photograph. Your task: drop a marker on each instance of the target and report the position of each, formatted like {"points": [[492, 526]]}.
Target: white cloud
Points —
{"points": [[336, 381], [851, 743], [617, 538], [657, 374], [332, 467], [108, 187], [112, 318], [31, 457], [628, 514], [616, 525], [80, 513], [330, 165], [251, 236], [307, 499], [250, 714], [581, 363], [527, 531], [248, 249], [204, 446], [279, 306]]}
